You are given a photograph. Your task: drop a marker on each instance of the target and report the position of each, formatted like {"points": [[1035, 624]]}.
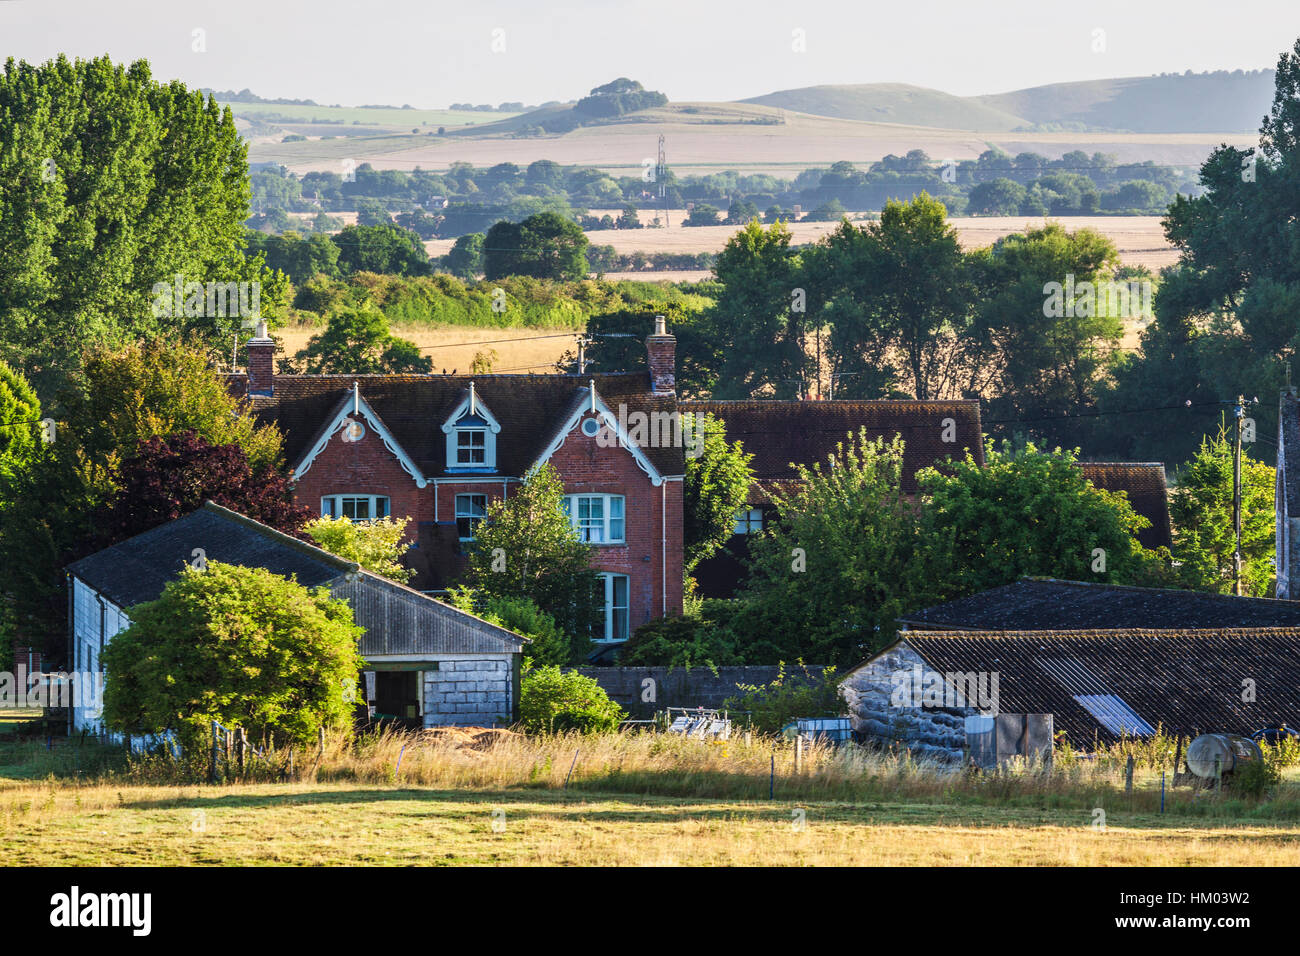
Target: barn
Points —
{"points": [[1097, 684], [427, 664]]}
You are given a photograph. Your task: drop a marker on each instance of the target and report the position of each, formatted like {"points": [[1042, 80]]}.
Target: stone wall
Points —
{"points": [[468, 692], [679, 687]]}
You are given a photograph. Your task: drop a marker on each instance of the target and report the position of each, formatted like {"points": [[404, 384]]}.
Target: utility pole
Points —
{"points": [[1237, 412], [582, 355]]}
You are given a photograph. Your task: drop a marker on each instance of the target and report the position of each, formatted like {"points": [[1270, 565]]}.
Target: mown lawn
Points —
{"points": [[366, 824]]}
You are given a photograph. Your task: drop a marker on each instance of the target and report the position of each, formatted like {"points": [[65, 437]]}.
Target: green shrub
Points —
{"points": [[772, 706], [1256, 778], [554, 701], [689, 641]]}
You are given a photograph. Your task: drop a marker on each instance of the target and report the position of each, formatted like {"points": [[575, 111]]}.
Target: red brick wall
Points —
{"points": [[261, 366], [588, 468], [367, 467]]}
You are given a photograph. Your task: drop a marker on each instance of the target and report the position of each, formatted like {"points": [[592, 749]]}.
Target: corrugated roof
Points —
{"points": [[1187, 681], [779, 433], [1051, 605], [137, 569], [413, 408]]}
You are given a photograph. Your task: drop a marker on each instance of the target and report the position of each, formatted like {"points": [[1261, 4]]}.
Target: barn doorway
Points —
{"points": [[398, 699]]}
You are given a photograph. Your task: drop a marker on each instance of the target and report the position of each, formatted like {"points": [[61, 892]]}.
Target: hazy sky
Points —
{"points": [[430, 54]]}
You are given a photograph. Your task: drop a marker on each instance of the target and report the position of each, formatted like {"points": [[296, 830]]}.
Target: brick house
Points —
{"points": [[439, 449]]}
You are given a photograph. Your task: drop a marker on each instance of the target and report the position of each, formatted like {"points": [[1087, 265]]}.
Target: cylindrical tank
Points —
{"points": [[1230, 750]]}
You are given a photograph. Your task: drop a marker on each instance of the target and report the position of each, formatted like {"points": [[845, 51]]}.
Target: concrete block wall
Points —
{"points": [[468, 692]]}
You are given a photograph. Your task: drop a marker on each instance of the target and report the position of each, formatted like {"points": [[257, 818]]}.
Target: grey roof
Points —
{"points": [[1045, 604], [397, 620], [1185, 681], [137, 569]]}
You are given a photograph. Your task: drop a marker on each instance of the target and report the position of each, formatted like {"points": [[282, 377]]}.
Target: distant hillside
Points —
{"points": [[1176, 103], [893, 103]]}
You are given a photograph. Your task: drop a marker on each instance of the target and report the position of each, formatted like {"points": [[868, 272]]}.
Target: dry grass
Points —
{"points": [[483, 797], [533, 350]]}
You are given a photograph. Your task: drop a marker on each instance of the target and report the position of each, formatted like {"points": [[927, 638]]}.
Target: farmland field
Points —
{"points": [[708, 137]]}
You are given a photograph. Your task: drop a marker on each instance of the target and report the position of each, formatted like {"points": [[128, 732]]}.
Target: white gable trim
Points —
{"points": [[602, 411], [471, 403], [362, 409]]}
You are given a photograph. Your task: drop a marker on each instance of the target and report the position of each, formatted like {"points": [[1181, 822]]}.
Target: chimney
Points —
{"points": [[661, 355], [261, 362]]}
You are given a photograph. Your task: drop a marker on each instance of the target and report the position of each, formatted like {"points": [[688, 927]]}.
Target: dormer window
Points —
{"points": [[471, 432]]}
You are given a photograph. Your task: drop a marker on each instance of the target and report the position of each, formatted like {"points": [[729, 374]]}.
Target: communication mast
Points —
{"points": [[661, 177]]}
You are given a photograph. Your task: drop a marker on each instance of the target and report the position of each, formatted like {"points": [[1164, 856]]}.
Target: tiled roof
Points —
{"points": [[779, 433], [1144, 483], [1185, 681], [529, 408], [137, 569], [1051, 605]]}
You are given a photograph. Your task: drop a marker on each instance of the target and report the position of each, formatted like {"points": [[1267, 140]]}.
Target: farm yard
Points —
{"points": [[496, 797]]}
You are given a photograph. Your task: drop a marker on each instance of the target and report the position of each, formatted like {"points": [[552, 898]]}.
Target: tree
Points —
{"points": [[716, 486], [1027, 512], [376, 545], [465, 258], [20, 420], [702, 215], [544, 246], [758, 316], [170, 477], [527, 547], [997, 197], [240, 646], [847, 555], [113, 183], [358, 342], [1200, 507], [156, 389], [386, 249]]}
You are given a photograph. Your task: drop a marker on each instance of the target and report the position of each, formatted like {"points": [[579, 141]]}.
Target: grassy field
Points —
{"points": [[493, 797]]}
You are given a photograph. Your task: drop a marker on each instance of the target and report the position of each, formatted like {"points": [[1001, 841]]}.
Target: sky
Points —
{"points": [[430, 53]]}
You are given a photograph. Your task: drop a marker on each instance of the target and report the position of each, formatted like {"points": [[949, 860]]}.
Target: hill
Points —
{"points": [[1220, 102]]}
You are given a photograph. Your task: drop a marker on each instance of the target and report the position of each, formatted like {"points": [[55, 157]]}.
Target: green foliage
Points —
{"points": [[1200, 508], [112, 183], [550, 645], [528, 548], [358, 342], [543, 246], [773, 705], [552, 701], [1027, 513], [1256, 778], [704, 639], [376, 545], [716, 486], [381, 247], [237, 645], [20, 416], [848, 555], [465, 259]]}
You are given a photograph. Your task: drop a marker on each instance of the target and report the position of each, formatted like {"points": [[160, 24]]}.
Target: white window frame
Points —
{"points": [[573, 508], [611, 627], [747, 520], [455, 447], [476, 519], [331, 506]]}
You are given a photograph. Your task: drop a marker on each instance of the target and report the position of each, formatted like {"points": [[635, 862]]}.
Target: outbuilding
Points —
{"points": [[426, 662]]}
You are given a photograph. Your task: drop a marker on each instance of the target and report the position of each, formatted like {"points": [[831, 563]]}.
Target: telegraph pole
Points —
{"points": [[1237, 412]]}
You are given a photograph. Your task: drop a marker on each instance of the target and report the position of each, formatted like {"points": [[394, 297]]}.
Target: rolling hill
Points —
{"points": [[1174, 103]]}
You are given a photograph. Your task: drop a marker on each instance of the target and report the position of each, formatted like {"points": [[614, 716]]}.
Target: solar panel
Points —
{"points": [[1115, 715]]}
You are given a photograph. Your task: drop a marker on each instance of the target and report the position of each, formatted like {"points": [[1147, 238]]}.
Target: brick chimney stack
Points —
{"points": [[261, 362], [661, 353]]}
